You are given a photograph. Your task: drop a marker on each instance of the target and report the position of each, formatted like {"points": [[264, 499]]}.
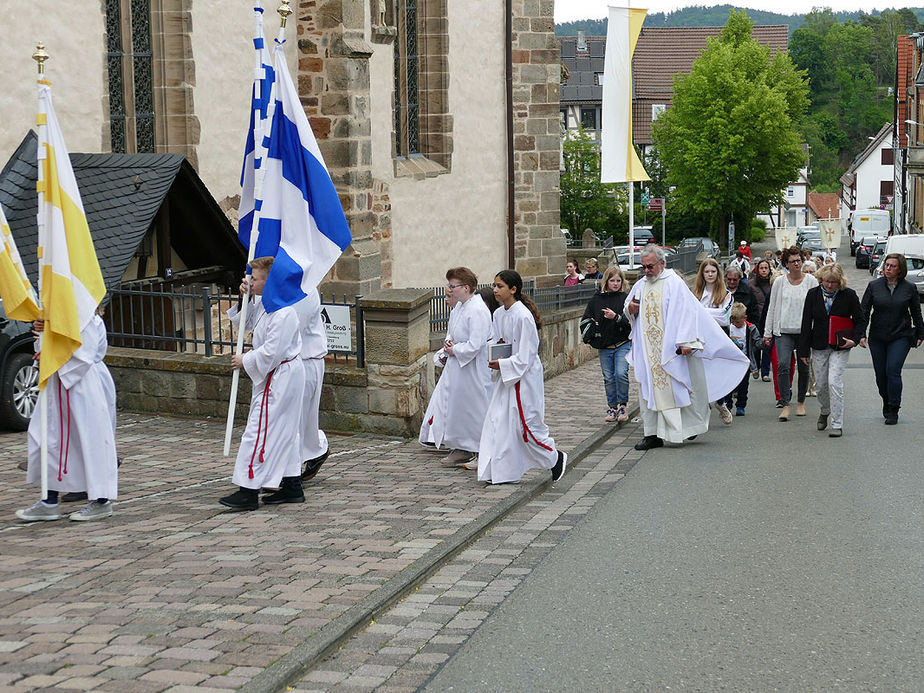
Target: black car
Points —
{"points": [[643, 236], [865, 249], [876, 255], [18, 374]]}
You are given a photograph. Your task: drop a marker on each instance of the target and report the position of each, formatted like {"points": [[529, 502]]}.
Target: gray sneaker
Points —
{"points": [[94, 510], [40, 511]]}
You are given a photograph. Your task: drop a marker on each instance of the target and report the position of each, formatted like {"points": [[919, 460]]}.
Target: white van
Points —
{"points": [[906, 244], [867, 222]]}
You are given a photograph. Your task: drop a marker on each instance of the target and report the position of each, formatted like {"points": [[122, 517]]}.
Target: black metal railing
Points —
{"points": [[194, 320]]}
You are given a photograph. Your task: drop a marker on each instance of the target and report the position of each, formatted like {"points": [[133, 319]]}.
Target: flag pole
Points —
{"points": [[631, 225], [40, 56], [284, 12]]}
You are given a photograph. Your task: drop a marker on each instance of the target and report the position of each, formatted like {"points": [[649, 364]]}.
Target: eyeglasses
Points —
{"points": [[795, 262], [649, 267], [453, 286]]}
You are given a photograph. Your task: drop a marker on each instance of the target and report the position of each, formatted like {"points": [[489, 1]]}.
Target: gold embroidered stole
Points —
{"points": [[652, 317]]}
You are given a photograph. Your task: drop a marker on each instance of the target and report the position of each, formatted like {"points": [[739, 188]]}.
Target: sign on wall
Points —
{"points": [[336, 321]]}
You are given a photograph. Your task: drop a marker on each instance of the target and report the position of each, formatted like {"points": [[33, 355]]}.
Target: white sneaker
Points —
{"points": [[38, 512], [94, 510], [610, 415], [472, 463], [724, 413]]}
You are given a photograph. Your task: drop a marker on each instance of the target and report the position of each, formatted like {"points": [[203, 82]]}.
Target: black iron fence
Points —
{"points": [[193, 319]]}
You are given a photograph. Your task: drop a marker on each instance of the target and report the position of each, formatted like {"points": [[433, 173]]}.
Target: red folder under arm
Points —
{"points": [[839, 329]]}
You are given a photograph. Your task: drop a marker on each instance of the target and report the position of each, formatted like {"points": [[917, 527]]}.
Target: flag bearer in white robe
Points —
{"points": [[514, 438], [81, 402], [270, 452], [681, 358], [314, 349], [455, 414]]}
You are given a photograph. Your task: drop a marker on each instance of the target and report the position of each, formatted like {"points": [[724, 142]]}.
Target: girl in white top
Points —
{"points": [[709, 287], [514, 438], [784, 323]]}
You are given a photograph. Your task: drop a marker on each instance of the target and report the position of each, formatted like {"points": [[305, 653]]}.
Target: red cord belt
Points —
{"points": [[264, 407]]}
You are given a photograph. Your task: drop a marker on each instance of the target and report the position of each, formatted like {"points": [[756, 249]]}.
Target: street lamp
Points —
{"points": [[907, 136]]}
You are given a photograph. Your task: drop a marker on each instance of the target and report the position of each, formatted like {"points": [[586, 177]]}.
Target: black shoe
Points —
{"points": [[242, 499], [312, 467], [690, 438], [649, 442], [290, 492], [74, 496], [558, 471], [779, 404], [891, 414]]}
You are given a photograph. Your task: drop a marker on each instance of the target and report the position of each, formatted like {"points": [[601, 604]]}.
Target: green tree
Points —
{"points": [[586, 203], [730, 142]]}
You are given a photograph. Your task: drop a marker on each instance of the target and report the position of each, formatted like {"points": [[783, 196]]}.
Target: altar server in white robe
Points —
{"points": [[81, 401], [270, 451], [681, 358], [514, 438], [455, 414], [314, 349]]}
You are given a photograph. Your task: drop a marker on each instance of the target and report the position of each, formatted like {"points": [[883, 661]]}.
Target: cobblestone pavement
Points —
{"points": [[173, 593], [402, 648]]}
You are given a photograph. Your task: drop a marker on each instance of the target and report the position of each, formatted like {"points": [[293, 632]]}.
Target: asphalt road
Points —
{"points": [[764, 556]]}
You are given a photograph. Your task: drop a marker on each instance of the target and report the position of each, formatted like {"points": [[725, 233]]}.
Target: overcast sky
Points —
{"points": [[569, 10]]}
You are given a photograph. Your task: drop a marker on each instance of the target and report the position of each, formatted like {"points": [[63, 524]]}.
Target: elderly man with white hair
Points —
{"points": [[681, 358]]}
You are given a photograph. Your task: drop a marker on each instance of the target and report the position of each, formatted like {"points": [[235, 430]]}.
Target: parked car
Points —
{"points": [[813, 244], [710, 247], [876, 254], [18, 374], [915, 271], [867, 222], [643, 235], [863, 250], [806, 233]]}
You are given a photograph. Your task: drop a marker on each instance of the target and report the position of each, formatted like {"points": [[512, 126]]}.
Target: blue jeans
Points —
{"points": [[764, 360], [888, 359], [785, 348], [615, 374], [740, 393]]}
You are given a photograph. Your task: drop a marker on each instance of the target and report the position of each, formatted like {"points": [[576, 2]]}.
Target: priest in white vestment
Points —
{"points": [[681, 359], [456, 411], [270, 451]]}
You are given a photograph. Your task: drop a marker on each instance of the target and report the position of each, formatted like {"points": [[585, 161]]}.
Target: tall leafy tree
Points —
{"points": [[730, 142], [586, 203]]}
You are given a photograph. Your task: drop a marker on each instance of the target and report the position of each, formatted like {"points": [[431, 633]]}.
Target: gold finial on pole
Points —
{"points": [[40, 56], [284, 12]]}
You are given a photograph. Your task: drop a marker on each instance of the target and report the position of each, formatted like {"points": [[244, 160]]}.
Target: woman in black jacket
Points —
{"points": [[893, 309], [606, 329], [831, 298]]}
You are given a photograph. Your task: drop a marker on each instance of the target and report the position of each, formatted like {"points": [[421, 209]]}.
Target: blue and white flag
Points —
{"points": [[263, 79], [302, 224]]}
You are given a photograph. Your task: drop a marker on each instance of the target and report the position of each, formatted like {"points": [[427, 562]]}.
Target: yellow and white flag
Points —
{"points": [[70, 282], [618, 161], [19, 299]]}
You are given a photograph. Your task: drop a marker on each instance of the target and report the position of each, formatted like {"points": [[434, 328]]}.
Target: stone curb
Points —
{"points": [[301, 659]]}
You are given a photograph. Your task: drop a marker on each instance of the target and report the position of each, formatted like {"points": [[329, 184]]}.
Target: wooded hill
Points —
{"points": [[712, 16]]}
